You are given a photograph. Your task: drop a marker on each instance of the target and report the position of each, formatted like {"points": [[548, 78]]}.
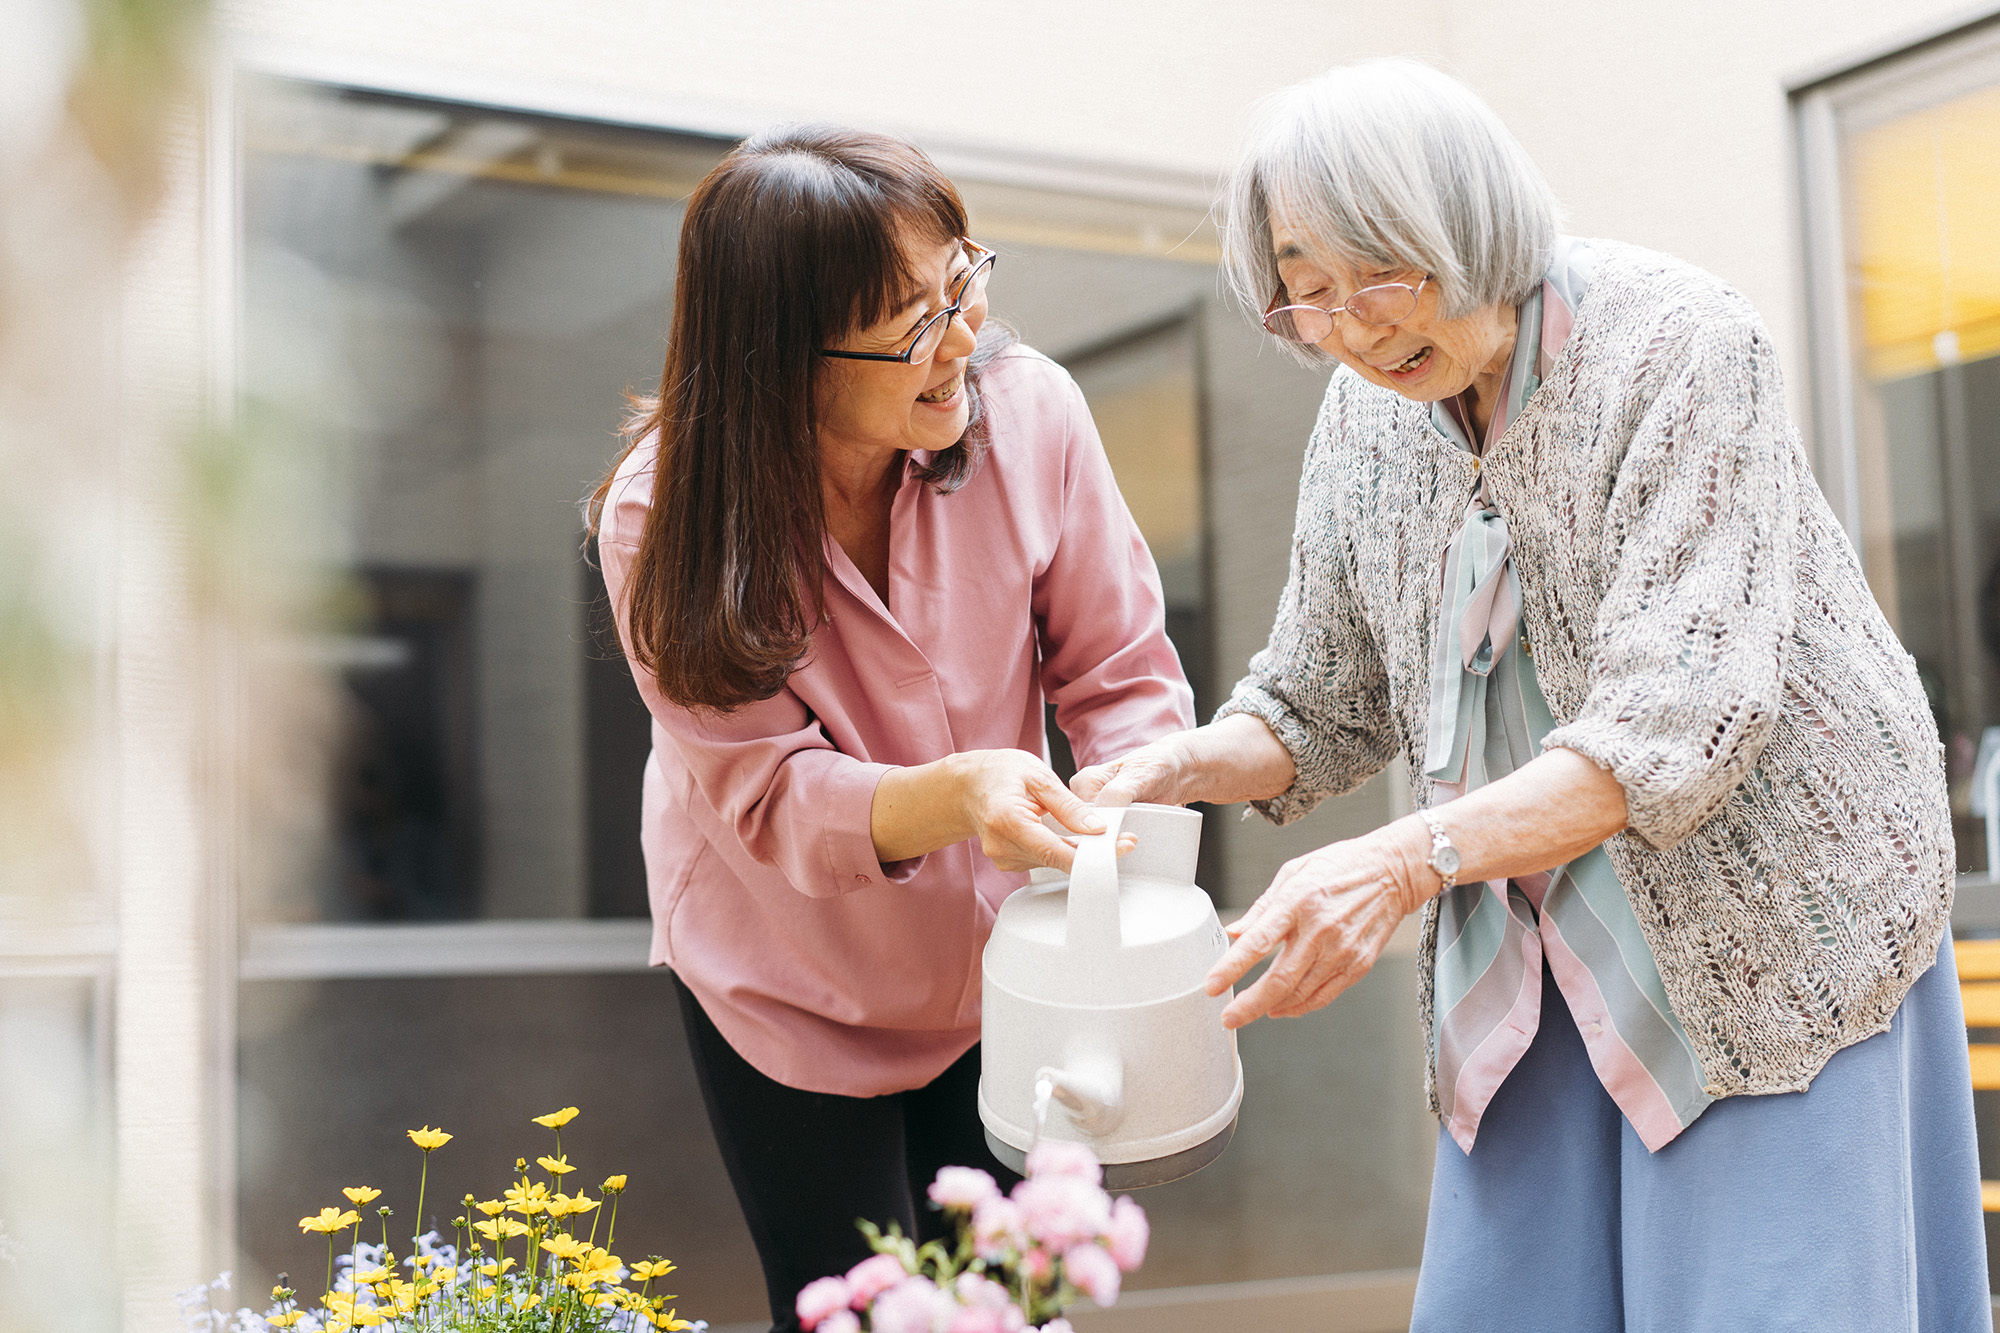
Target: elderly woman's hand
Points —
{"points": [[1236, 759], [1328, 913]]}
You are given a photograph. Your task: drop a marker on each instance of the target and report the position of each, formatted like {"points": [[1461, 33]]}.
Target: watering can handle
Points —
{"points": [[1093, 887]]}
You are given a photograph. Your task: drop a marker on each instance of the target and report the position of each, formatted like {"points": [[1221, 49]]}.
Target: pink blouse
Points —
{"points": [[826, 969]]}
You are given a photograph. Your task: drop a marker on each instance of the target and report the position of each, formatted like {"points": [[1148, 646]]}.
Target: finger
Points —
{"points": [[1256, 1000], [1250, 946], [1332, 989], [1089, 781], [1027, 843], [1333, 967], [1069, 810]]}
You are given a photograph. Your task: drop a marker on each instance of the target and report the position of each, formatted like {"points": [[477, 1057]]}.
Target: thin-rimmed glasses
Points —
{"points": [[1385, 303], [970, 292]]}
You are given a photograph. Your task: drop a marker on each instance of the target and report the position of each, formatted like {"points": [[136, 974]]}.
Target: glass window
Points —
{"points": [[444, 307], [452, 304], [1904, 204]]}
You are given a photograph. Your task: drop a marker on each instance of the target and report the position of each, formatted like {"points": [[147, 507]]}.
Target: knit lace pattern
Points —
{"points": [[1701, 628]]}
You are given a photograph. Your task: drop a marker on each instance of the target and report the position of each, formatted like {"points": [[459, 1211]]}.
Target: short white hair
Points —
{"points": [[1390, 164]]}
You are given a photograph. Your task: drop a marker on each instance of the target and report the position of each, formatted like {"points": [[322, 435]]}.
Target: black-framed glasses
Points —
{"points": [[1385, 303], [971, 290]]}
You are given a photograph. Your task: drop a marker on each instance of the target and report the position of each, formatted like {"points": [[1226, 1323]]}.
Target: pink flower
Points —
{"points": [[979, 1292], [871, 1277], [1036, 1265], [841, 1321], [1058, 1157], [963, 1187], [820, 1299], [1092, 1271], [996, 1229], [1006, 1319], [1129, 1234], [1061, 1211], [911, 1306]]}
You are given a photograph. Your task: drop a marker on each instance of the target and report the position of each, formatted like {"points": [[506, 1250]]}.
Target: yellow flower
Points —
{"points": [[285, 1320], [613, 1185], [525, 1301], [492, 1207], [568, 1205], [669, 1323], [565, 1245], [404, 1294], [483, 1293], [360, 1193], [501, 1229], [329, 1220], [595, 1266], [372, 1276], [527, 1199], [556, 1119], [648, 1269], [429, 1139], [495, 1270], [555, 1166]]}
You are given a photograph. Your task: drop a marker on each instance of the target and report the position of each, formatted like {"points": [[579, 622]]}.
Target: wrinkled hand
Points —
{"points": [[1155, 772], [1327, 914], [1003, 796]]}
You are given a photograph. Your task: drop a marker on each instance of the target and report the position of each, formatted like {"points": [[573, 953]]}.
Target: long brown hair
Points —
{"points": [[790, 243]]}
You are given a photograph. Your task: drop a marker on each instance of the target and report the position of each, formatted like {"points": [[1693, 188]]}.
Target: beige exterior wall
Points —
{"points": [[1665, 125]]}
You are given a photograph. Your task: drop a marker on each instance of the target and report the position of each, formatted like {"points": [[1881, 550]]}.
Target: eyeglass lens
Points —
{"points": [[971, 291], [1389, 303]]}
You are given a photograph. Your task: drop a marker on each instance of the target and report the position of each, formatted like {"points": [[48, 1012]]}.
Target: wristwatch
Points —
{"points": [[1444, 857]]}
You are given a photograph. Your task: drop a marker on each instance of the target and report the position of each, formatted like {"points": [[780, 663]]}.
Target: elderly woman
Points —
{"points": [[860, 538], [1681, 845]]}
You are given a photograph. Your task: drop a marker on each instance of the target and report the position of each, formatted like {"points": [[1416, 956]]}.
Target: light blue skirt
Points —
{"points": [[1851, 1206]]}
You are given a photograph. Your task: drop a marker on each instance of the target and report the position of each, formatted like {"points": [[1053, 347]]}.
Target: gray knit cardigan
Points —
{"points": [[1701, 628]]}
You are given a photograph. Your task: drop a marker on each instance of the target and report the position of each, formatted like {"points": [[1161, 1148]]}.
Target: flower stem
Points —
{"points": [[422, 1182]]}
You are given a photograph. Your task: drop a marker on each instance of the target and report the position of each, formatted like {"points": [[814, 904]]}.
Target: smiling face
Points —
{"points": [[1425, 358], [870, 409]]}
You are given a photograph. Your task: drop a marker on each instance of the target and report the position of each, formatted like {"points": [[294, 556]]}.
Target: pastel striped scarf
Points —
{"points": [[1487, 718]]}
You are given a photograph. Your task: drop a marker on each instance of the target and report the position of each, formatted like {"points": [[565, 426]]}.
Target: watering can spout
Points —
{"points": [[1090, 1086]]}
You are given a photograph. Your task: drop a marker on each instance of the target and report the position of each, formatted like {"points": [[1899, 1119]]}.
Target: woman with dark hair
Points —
{"points": [[859, 540]]}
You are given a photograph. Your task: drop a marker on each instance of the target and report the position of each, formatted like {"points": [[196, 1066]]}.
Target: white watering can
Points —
{"points": [[1093, 993]]}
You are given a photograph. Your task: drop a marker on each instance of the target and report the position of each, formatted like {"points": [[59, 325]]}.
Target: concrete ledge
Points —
{"points": [[443, 949]]}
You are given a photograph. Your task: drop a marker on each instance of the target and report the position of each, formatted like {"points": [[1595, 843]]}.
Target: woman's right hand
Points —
{"points": [[996, 796], [1002, 796]]}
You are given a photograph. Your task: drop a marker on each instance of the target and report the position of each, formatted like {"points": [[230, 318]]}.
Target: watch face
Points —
{"points": [[1445, 860]]}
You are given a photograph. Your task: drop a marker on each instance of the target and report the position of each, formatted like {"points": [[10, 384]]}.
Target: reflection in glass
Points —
{"points": [[1924, 264], [453, 304]]}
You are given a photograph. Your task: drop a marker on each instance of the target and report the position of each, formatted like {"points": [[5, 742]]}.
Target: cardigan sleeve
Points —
{"points": [[1687, 657], [1319, 683]]}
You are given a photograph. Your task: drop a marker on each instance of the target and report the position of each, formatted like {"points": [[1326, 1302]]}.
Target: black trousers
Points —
{"points": [[808, 1165]]}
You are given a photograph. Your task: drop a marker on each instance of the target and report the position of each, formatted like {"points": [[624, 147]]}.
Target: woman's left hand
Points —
{"points": [[1328, 914]]}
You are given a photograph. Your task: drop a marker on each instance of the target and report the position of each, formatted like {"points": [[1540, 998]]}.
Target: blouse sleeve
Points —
{"points": [[1107, 664], [1687, 657], [767, 768], [1319, 683]]}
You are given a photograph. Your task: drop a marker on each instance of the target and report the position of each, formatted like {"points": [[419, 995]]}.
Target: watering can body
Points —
{"points": [[1093, 990]]}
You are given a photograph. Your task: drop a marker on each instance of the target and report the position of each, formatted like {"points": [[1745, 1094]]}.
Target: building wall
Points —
{"points": [[1664, 125]]}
